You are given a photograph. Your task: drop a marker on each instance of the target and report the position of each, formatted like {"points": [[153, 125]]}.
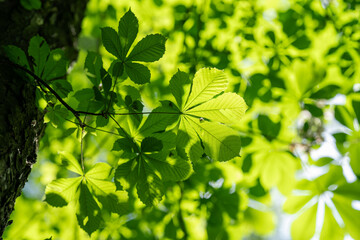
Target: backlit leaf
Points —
{"points": [[150, 49]]}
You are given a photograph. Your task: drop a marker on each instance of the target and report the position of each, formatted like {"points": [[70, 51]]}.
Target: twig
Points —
{"points": [[39, 80], [81, 148]]}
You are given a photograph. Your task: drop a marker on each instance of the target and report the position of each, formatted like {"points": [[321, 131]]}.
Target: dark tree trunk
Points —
{"points": [[21, 123]]}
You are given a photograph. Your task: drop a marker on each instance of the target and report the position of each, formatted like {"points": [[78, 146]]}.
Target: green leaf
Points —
{"points": [[93, 64], [31, 4], [302, 42], [221, 143], [88, 211], [105, 192], [227, 108], [16, 55], [170, 167], [294, 203], [56, 115], [71, 163], [61, 191], [128, 30], [55, 66], [111, 41], [158, 120], [99, 171], [356, 106], [304, 226], [62, 87], [138, 73], [349, 215], [39, 51], [188, 142], [349, 190], [268, 128], [101, 121], [116, 69], [150, 49], [331, 229], [123, 144], [151, 144], [168, 139], [180, 88], [207, 83], [126, 174], [326, 92], [106, 83], [149, 186]]}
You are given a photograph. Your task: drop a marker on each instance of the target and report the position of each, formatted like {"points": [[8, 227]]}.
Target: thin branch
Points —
{"points": [[97, 129], [125, 114], [39, 80], [82, 149]]}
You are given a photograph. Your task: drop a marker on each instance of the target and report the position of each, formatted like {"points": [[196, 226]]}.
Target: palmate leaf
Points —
{"points": [[221, 143], [99, 171], [188, 142], [88, 211], [16, 55], [180, 88], [128, 30], [150, 49], [111, 41], [126, 173], [105, 191], [55, 66], [137, 72], [227, 108], [304, 226], [39, 50], [171, 168], [207, 83], [71, 163], [61, 191], [151, 144], [93, 64], [149, 185], [158, 120], [88, 191], [203, 108]]}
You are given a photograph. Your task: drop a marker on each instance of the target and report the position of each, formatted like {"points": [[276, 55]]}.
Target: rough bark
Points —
{"points": [[21, 123]]}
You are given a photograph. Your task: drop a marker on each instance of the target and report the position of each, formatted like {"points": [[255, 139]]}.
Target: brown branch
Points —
{"points": [[39, 80]]}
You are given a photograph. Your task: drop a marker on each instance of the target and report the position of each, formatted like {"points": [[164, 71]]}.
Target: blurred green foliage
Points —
{"points": [[296, 65]]}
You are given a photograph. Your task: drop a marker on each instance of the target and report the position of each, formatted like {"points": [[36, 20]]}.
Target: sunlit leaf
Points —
{"points": [[137, 72], [149, 186], [128, 29], [207, 83], [88, 212], [227, 108], [61, 191], [111, 41], [150, 49]]}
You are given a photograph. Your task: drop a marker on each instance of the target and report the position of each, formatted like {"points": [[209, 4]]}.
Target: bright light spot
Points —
{"points": [[356, 87], [356, 204], [269, 14], [348, 172], [206, 195], [233, 188], [57, 57], [339, 99], [217, 184]]}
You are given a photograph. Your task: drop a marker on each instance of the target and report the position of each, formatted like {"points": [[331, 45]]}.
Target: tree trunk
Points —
{"points": [[21, 123]]}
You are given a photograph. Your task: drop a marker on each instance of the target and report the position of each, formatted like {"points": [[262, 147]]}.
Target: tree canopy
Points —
{"points": [[197, 120]]}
